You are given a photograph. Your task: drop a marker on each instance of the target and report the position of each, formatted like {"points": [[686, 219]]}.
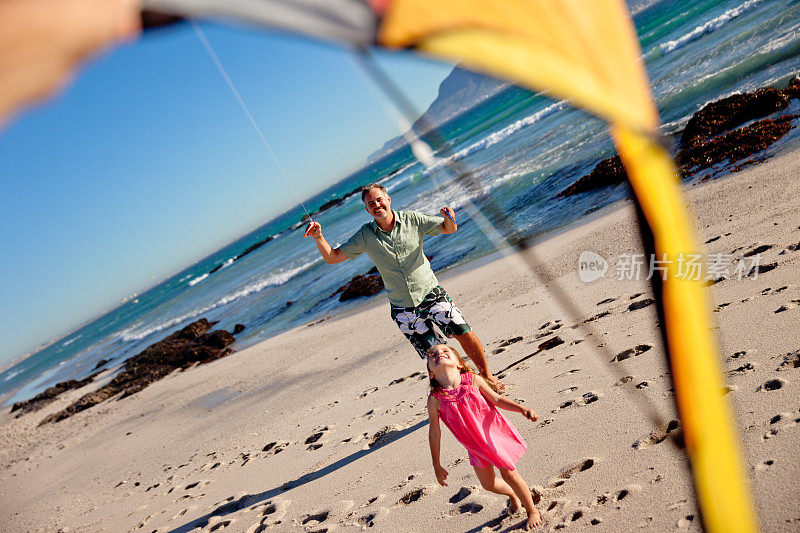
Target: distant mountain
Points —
{"points": [[458, 92]]}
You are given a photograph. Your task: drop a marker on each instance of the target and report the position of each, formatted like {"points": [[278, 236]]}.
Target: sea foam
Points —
{"points": [[198, 279], [498, 136], [140, 331], [708, 27]]}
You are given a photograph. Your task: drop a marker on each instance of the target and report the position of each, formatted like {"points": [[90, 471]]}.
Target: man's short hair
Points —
{"points": [[366, 188]]}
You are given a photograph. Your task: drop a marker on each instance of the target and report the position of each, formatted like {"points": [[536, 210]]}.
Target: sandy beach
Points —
{"points": [[324, 428]]}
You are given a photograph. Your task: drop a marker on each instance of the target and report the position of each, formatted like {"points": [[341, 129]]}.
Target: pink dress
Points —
{"points": [[479, 426]]}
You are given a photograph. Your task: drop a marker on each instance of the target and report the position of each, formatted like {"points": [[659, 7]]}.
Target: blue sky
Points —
{"points": [[146, 163]]}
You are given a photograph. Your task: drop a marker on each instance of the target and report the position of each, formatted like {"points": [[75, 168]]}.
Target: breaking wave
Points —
{"points": [[708, 27]]}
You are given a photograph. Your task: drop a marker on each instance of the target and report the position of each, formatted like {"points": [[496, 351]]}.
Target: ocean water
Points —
{"points": [[524, 147]]}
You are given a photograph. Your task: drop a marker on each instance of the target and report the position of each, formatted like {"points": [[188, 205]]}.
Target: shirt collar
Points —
{"points": [[376, 228]]}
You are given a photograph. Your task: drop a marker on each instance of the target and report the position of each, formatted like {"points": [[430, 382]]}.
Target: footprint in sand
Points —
{"points": [[791, 304], [570, 470], [313, 519], [758, 250], [764, 466], [275, 447], [789, 420], [598, 316], [744, 369], [740, 354], [216, 523], [462, 493], [372, 518], [400, 380], [509, 342], [770, 290], [631, 352], [771, 385], [412, 496], [685, 522], [546, 329], [209, 466], [641, 304], [368, 391], [313, 440], [586, 399], [606, 301], [657, 436], [720, 307], [567, 373], [387, 434], [466, 508], [790, 361], [568, 389], [199, 484], [761, 269]]}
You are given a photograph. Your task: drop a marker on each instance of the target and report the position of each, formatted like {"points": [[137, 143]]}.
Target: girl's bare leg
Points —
{"points": [[494, 484], [521, 489]]}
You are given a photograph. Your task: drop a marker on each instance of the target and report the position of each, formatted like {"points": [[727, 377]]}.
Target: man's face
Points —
{"points": [[377, 203]]}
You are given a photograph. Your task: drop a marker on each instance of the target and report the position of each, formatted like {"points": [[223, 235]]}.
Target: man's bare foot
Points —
{"points": [[534, 520], [513, 505], [494, 383]]}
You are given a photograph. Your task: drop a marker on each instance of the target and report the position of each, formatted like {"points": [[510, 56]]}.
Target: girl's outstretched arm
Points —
{"points": [[501, 401], [435, 439]]}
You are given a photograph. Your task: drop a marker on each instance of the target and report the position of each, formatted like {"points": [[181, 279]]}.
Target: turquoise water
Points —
{"points": [[524, 148]]}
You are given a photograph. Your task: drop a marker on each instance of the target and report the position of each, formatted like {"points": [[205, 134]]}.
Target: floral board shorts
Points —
{"points": [[416, 323]]}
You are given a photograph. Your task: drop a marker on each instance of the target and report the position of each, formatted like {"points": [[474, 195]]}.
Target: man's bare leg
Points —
{"points": [[474, 349]]}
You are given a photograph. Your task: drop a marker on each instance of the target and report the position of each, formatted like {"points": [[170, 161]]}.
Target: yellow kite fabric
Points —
{"points": [[587, 52]]}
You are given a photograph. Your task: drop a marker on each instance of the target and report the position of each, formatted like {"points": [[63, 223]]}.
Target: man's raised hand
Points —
{"points": [[447, 212], [314, 230]]}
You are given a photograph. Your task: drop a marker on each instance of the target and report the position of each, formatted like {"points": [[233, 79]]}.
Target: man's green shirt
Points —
{"points": [[405, 270]]}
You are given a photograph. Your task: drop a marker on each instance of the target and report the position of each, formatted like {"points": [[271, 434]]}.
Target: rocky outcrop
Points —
{"points": [[735, 145], [365, 285], [731, 112], [189, 346], [607, 172], [711, 136], [47, 397]]}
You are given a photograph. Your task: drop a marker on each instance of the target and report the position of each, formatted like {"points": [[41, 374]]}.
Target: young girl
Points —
{"points": [[466, 405]]}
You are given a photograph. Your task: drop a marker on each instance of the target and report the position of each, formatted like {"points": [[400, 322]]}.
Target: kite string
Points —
{"points": [[224, 73], [383, 82]]}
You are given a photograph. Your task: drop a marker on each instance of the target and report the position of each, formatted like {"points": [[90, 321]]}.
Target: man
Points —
{"points": [[393, 240]]}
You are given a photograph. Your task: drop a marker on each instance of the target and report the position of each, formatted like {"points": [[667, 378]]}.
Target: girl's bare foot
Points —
{"points": [[513, 505], [534, 520]]}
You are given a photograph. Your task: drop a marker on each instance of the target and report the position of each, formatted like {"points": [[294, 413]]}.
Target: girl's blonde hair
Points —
{"points": [[463, 366]]}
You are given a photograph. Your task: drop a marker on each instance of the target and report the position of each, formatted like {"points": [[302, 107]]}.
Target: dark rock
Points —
{"points": [[607, 172], [366, 285], [180, 350], [238, 328], [735, 145], [793, 90], [100, 363], [254, 247], [330, 203], [217, 339], [728, 113], [49, 395]]}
